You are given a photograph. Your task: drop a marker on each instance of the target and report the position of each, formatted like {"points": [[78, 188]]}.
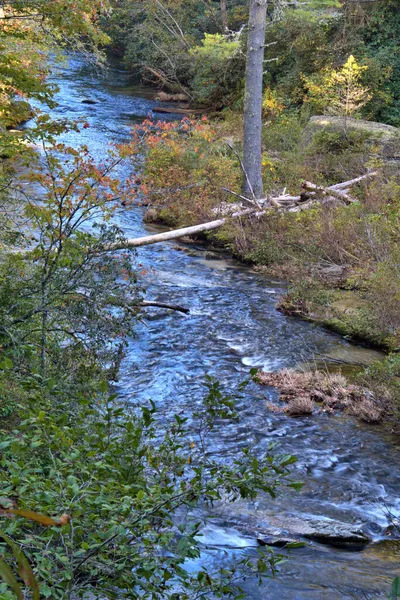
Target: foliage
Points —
{"points": [[272, 105], [28, 33], [378, 35], [183, 172], [65, 304], [339, 92], [383, 377], [395, 591], [217, 70], [121, 476]]}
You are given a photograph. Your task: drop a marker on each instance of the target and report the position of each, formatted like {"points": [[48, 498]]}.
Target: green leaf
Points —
{"points": [[24, 568], [8, 576], [6, 363], [295, 545], [395, 591], [296, 485]]}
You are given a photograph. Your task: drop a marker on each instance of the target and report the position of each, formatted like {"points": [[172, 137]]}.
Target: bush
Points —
{"points": [[383, 378], [119, 477], [217, 71]]}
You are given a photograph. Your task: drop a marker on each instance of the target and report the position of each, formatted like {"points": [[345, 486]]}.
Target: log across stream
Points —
{"points": [[349, 469]]}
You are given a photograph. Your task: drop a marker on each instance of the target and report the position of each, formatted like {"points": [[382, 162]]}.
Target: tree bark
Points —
{"points": [[224, 16], [252, 184]]}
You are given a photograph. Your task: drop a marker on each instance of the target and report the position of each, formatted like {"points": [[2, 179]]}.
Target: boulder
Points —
{"points": [[88, 101], [327, 531], [382, 139]]}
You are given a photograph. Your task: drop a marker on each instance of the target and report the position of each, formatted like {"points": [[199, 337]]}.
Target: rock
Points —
{"points": [[350, 539], [323, 530], [88, 101], [334, 274], [383, 140], [335, 533], [277, 542]]}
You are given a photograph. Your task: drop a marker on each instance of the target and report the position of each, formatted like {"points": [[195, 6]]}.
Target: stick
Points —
{"points": [[176, 307], [346, 184], [255, 201]]}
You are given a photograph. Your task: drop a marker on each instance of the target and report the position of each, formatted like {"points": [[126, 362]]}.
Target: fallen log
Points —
{"points": [[283, 202], [177, 233], [346, 184], [329, 192]]}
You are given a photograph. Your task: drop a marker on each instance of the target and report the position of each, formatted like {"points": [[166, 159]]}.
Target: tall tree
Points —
{"points": [[224, 16], [252, 183]]}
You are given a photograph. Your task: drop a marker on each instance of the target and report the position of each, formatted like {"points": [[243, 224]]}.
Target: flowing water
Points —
{"points": [[349, 470]]}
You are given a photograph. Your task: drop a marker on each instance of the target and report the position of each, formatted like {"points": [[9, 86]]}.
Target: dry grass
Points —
{"points": [[303, 392]]}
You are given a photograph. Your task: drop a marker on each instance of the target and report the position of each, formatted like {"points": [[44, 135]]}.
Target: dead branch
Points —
{"points": [[240, 196], [176, 307], [346, 184], [329, 192], [253, 196]]}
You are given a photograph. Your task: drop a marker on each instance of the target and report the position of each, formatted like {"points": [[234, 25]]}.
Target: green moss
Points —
{"points": [[342, 311]]}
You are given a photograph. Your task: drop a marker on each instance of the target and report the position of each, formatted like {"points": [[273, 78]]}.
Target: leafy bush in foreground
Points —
{"points": [[121, 476]]}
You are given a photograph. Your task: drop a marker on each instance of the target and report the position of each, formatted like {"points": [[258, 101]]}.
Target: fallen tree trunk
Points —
{"points": [[283, 203], [329, 192], [177, 233]]}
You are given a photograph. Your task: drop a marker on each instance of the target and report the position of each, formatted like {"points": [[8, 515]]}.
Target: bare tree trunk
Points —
{"points": [[224, 16], [176, 233], [252, 184]]}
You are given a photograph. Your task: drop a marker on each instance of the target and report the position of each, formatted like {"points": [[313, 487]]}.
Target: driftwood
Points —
{"points": [[312, 194]]}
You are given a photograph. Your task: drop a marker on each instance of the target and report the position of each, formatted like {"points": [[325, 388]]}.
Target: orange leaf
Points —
{"points": [[39, 518]]}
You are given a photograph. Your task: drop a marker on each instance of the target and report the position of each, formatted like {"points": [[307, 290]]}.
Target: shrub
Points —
{"points": [[217, 71], [120, 475]]}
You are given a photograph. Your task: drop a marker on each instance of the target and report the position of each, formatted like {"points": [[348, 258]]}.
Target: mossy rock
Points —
{"points": [[381, 139]]}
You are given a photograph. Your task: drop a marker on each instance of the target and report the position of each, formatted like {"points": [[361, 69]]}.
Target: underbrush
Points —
{"points": [[307, 392], [383, 379]]}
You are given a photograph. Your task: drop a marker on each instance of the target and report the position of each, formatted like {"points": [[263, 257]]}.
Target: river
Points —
{"points": [[350, 470]]}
